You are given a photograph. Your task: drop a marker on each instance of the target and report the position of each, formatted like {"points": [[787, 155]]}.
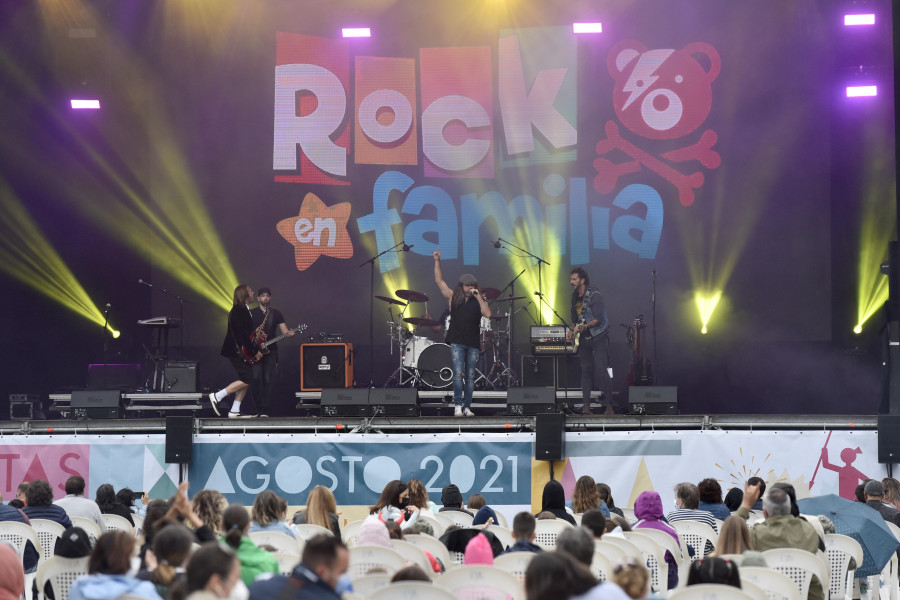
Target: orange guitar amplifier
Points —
{"points": [[326, 366]]}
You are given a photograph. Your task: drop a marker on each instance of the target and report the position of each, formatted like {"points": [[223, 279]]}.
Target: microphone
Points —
{"points": [[142, 282], [495, 244], [538, 294], [406, 246], [108, 305]]}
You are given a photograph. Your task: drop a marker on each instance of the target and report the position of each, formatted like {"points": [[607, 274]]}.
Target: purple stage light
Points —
{"points": [[856, 91], [356, 32], [586, 28], [859, 19], [80, 104]]}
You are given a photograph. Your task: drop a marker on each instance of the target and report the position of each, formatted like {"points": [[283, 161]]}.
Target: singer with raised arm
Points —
{"points": [[467, 306], [590, 331], [240, 348]]}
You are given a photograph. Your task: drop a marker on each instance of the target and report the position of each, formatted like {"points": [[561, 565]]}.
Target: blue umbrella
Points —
{"points": [[863, 523]]}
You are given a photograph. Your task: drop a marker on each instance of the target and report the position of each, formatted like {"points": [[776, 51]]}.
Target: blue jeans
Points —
{"points": [[464, 360]]}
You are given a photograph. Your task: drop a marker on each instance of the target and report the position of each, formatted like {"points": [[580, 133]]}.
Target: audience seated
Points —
{"points": [[73, 543], [523, 532], [209, 505], [891, 491], [595, 522], [19, 500], [758, 481], [324, 560], [452, 499], [418, 496], [478, 551], [212, 572], [30, 558], [711, 499], [734, 538], [687, 499], [393, 505], [411, 573], [716, 570], [586, 497], [556, 576], [109, 505], [108, 569], [733, 499], [76, 505], [554, 501], [874, 494], [136, 504], [648, 511], [321, 510], [607, 499], [633, 577], [373, 533], [254, 561], [267, 514], [12, 576], [165, 564], [39, 504]]}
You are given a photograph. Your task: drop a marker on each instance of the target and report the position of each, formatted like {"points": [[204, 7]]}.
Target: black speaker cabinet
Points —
{"points": [[550, 437], [394, 402], [653, 399], [179, 440], [538, 371], [889, 439], [181, 377], [344, 403], [530, 400], [325, 366], [108, 377], [97, 404]]}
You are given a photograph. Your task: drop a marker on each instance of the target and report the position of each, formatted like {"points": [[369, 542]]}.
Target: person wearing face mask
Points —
{"points": [[325, 558], [212, 573], [108, 568], [394, 505]]}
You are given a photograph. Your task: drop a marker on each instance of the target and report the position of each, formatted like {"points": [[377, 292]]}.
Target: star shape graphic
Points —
{"points": [[318, 230]]}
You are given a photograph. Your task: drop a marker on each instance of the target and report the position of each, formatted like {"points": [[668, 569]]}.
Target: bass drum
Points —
{"points": [[435, 366], [413, 349]]}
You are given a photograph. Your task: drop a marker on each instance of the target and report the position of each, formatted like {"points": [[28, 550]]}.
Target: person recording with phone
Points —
{"points": [[467, 306]]}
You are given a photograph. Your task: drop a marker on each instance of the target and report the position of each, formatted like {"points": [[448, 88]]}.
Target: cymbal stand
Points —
{"points": [[371, 263], [402, 375]]}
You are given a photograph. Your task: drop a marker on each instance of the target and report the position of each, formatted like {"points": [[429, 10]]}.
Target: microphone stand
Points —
{"points": [[655, 368], [540, 262], [181, 303], [566, 353], [371, 263], [106, 336], [511, 286]]}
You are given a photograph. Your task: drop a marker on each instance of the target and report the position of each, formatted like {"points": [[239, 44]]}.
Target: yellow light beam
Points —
{"points": [[706, 305]]}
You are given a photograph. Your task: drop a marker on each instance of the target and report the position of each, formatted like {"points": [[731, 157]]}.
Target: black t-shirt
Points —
{"points": [[272, 323], [465, 324]]}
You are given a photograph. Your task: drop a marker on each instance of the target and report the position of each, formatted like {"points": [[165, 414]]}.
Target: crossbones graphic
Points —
{"points": [[608, 173]]}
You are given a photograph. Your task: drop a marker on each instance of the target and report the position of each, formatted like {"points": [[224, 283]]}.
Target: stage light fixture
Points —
{"points": [[587, 28], [354, 32], [858, 91], [80, 104], [858, 329], [868, 19], [706, 305]]}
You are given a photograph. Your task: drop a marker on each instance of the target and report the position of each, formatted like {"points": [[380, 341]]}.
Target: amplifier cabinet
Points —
{"points": [[326, 366]]}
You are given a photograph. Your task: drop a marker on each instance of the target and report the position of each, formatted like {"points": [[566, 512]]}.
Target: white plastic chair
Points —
{"points": [[514, 563], [280, 541], [350, 531], [90, 528], [48, 532], [709, 591], [799, 565], [501, 519], [840, 549], [436, 525], [697, 534], [547, 530], [117, 523], [655, 558], [459, 518], [777, 585], [754, 590], [628, 513], [413, 554], [411, 590], [481, 582], [444, 520], [18, 535], [503, 535], [60, 573], [308, 530], [365, 558], [624, 544], [601, 566], [614, 553], [286, 561], [431, 545], [367, 585], [668, 544]]}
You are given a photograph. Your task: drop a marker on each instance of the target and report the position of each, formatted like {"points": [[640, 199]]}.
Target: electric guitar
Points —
{"points": [[251, 359], [576, 338]]}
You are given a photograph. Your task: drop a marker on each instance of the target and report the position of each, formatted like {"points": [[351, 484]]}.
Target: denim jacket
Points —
{"points": [[593, 308]]}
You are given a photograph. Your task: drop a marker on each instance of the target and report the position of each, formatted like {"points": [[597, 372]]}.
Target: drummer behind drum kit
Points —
{"points": [[425, 363]]}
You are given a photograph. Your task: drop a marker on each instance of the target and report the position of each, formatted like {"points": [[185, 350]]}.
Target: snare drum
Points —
{"points": [[435, 366], [413, 349]]}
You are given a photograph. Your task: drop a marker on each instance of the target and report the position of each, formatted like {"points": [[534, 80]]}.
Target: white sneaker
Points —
{"points": [[237, 415], [468, 412], [458, 411], [215, 403]]}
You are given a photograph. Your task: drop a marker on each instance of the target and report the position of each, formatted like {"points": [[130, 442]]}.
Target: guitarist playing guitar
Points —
{"points": [[267, 322], [239, 340], [590, 333]]}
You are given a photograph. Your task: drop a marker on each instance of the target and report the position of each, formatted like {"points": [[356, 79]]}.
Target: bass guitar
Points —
{"points": [[251, 359]]}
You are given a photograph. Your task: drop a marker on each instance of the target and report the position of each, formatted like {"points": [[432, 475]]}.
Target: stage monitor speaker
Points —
{"points": [[568, 372], [96, 404], [653, 399], [889, 439], [394, 402], [108, 377], [550, 437], [325, 366], [179, 440], [344, 403], [530, 400], [181, 377], [537, 371]]}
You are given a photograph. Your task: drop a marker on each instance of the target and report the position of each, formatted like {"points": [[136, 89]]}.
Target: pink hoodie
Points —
{"points": [[478, 551]]}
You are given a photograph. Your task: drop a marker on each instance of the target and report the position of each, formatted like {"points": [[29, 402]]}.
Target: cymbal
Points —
{"points": [[390, 300], [507, 299], [411, 296], [422, 322], [490, 293]]}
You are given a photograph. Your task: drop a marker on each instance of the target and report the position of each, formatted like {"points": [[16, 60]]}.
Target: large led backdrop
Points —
{"points": [[701, 160]]}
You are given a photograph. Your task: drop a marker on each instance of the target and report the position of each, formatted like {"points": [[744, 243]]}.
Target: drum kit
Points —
{"points": [[427, 364]]}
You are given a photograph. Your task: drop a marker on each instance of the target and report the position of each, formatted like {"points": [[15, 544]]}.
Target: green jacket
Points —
{"points": [[254, 561]]}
